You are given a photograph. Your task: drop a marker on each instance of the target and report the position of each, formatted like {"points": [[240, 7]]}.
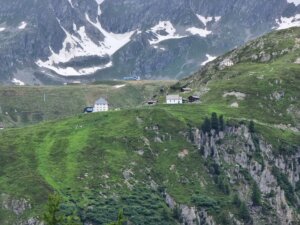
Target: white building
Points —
{"points": [[101, 105], [173, 99]]}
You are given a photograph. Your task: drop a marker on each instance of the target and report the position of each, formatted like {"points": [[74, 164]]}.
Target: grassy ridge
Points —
{"points": [[264, 71], [25, 105]]}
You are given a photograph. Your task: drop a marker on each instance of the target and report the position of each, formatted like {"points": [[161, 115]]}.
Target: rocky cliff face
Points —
{"points": [[17, 208], [54, 41], [234, 165], [246, 158]]}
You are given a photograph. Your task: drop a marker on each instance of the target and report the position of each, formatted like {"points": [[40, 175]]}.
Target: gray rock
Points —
{"points": [[49, 21]]}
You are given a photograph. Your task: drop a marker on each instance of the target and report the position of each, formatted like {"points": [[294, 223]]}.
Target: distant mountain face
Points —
{"points": [[56, 41]]}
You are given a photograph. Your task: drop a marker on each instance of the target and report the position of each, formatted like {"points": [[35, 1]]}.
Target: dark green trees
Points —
{"points": [[251, 127], [206, 126], [221, 123], [52, 215], [121, 220], [214, 123]]}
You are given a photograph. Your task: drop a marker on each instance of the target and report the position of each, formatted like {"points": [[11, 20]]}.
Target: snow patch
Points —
{"points": [[70, 71], [164, 30], [70, 1], [295, 2], [207, 19], [204, 20], [2, 29], [73, 47], [112, 42], [119, 86], [99, 2], [287, 22], [218, 18], [22, 25], [74, 27], [18, 82], [199, 31], [238, 95], [209, 59], [82, 46]]}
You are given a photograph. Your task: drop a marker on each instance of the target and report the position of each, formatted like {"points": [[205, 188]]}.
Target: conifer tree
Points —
{"points": [[251, 127], [221, 123], [121, 219], [206, 126], [256, 195], [214, 122], [52, 215]]}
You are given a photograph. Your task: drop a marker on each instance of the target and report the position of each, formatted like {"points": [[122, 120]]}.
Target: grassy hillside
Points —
{"points": [[106, 161], [107, 154], [260, 80], [25, 105], [138, 157]]}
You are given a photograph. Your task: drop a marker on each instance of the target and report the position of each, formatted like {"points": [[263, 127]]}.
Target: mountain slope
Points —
{"points": [[147, 163], [63, 40], [170, 164], [257, 81]]}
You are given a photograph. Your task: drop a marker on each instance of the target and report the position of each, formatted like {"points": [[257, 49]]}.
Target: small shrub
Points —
{"points": [[246, 174], [256, 195], [284, 184], [251, 127], [206, 126], [205, 202], [221, 123], [177, 213], [223, 184], [214, 122], [224, 219], [243, 213], [236, 201]]}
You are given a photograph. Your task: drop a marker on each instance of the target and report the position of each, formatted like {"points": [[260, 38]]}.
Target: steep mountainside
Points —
{"points": [[101, 39], [260, 80], [171, 164], [156, 164]]}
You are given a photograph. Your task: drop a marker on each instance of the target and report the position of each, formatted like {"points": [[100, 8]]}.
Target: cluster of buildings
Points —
{"points": [[100, 105], [176, 99]]}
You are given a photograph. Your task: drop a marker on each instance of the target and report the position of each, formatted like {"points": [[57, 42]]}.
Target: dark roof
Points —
{"points": [[101, 101], [88, 109], [194, 96]]}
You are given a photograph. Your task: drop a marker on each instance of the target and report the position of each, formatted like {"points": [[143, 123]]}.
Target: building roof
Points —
{"points": [[194, 96], [101, 101], [174, 97], [88, 109]]}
